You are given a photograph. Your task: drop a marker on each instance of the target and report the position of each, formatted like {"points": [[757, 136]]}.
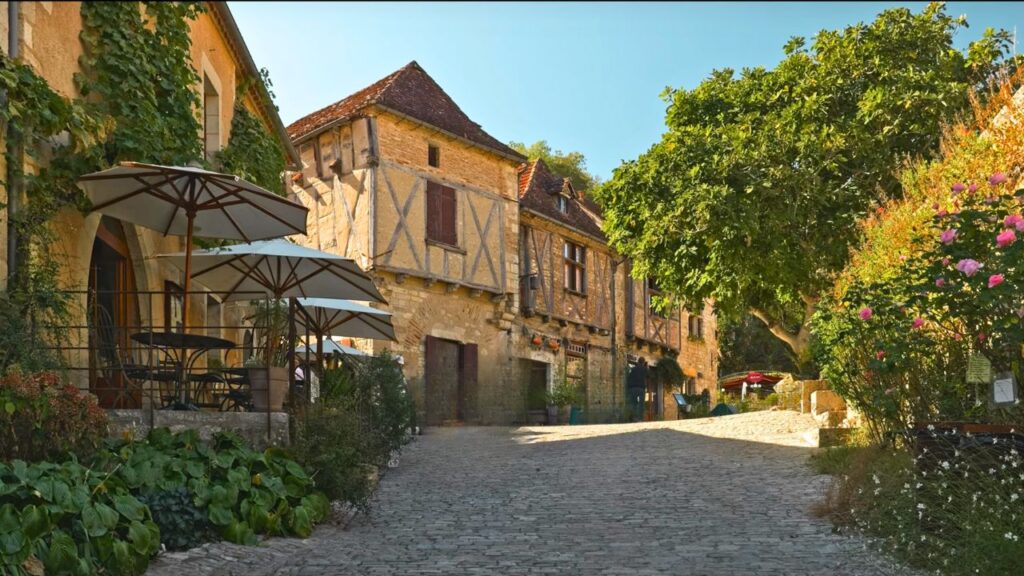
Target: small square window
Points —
{"points": [[433, 156]]}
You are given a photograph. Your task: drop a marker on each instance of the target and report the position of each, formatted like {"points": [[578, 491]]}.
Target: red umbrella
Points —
{"points": [[755, 377]]}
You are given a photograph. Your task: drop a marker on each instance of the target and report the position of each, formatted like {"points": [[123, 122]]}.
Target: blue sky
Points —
{"points": [[581, 76]]}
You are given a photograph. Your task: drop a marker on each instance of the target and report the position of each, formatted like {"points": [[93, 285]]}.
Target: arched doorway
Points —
{"points": [[113, 315]]}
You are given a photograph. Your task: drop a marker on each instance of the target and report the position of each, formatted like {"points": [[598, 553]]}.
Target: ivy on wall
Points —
{"points": [[252, 152], [137, 70], [138, 102]]}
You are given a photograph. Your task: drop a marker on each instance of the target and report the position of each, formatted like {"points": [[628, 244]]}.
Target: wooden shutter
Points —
{"points": [[433, 211], [469, 370], [442, 214], [448, 216]]}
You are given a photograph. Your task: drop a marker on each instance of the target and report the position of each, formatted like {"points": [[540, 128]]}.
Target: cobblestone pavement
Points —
{"points": [[690, 498]]}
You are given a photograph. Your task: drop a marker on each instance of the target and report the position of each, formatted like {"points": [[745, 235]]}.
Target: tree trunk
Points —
{"points": [[799, 342]]}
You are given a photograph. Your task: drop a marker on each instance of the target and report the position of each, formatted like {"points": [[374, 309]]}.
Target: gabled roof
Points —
{"points": [[538, 190], [411, 92]]}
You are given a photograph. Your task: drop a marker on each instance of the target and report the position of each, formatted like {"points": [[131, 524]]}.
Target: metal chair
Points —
{"points": [[116, 365]]}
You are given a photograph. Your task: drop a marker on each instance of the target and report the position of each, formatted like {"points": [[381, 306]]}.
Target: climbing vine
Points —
{"points": [[138, 102], [252, 152], [137, 70]]}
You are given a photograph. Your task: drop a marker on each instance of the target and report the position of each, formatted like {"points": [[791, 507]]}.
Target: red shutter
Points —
{"points": [[467, 386], [442, 214]]}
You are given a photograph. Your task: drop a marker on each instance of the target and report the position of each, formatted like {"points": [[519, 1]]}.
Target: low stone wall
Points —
{"points": [[251, 426]]}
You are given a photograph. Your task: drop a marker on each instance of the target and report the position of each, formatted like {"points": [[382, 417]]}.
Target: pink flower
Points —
{"points": [[917, 323], [968, 266], [945, 261], [958, 187], [880, 354], [957, 337], [981, 336], [972, 188], [995, 280], [1013, 221], [1020, 312], [990, 200], [865, 313], [940, 282], [997, 178], [1005, 238], [947, 236], [942, 213]]}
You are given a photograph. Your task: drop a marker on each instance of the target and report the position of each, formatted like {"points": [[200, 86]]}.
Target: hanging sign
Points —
{"points": [[979, 370], [1004, 390]]}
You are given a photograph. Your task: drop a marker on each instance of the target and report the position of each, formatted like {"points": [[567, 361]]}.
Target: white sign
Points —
{"points": [[1004, 390]]}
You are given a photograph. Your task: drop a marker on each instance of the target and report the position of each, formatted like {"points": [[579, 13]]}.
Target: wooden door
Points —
{"points": [[444, 382], [113, 317]]}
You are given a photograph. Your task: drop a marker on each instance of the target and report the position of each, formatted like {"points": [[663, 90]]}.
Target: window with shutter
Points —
{"points": [[442, 214], [575, 267]]}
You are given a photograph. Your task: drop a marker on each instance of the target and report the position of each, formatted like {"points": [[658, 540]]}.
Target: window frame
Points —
{"points": [[698, 321], [574, 266], [173, 293], [433, 155], [562, 203]]}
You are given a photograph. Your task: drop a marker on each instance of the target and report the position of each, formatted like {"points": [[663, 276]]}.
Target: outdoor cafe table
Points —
{"points": [[174, 344]]}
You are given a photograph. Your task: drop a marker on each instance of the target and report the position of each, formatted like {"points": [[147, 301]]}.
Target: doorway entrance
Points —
{"points": [[536, 375], [113, 314], [450, 380]]}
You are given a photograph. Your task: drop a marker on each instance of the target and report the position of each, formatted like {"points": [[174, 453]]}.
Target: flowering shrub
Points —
{"points": [[955, 507], [43, 419]]}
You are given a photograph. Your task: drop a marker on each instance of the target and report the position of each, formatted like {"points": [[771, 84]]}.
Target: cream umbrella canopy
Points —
{"points": [[331, 317], [280, 269], [190, 201]]}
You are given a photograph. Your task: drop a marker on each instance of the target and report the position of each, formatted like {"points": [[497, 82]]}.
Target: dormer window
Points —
{"points": [[563, 204]]}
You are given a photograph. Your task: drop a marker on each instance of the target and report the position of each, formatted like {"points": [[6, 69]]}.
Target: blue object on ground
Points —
{"points": [[722, 410]]}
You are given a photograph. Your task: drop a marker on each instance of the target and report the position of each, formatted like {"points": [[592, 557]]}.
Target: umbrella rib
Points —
{"points": [[150, 188], [353, 284], [237, 191], [215, 203]]}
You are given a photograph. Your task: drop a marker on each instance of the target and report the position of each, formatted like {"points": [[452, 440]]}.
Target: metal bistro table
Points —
{"points": [[176, 344]]}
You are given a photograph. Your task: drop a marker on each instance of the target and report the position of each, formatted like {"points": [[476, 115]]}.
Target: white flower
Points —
{"points": [[921, 506], [945, 464]]}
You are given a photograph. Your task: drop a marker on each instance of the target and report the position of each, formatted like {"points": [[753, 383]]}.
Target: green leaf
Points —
{"points": [[240, 533], [300, 523], [98, 519], [220, 515], [9, 520], [129, 507], [145, 538], [35, 521], [62, 555], [9, 408]]}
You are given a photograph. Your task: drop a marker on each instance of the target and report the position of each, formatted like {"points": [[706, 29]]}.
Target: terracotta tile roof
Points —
{"points": [[538, 190], [409, 91]]}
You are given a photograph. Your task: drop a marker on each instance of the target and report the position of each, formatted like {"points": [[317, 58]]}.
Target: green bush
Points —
{"points": [[243, 492], [364, 416], [70, 519], [956, 515], [42, 419], [332, 440], [182, 524]]}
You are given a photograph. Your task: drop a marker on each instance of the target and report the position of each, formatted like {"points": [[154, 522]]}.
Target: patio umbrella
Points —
{"points": [[280, 269], [331, 317], [191, 201], [332, 347]]}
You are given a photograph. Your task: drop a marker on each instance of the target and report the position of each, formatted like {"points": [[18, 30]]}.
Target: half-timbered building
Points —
{"points": [[397, 177], [497, 273]]}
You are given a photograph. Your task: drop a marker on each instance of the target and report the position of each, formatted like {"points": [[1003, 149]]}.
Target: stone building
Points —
{"points": [[497, 273], [93, 249]]}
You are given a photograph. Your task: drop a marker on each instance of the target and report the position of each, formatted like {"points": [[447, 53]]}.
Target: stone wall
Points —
{"points": [[251, 426]]}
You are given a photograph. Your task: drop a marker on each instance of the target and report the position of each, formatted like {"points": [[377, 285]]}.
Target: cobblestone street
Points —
{"points": [[696, 498]]}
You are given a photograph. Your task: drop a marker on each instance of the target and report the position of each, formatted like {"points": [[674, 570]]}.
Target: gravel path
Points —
{"points": [[725, 496]]}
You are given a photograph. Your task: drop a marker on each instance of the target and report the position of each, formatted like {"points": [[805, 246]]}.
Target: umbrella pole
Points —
{"points": [[186, 285]]}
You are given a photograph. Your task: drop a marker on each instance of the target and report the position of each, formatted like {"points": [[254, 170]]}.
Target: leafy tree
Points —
{"points": [[753, 194], [571, 165], [746, 344]]}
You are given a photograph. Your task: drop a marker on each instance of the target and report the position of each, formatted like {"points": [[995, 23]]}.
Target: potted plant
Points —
{"points": [[560, 401], [268, 372]]}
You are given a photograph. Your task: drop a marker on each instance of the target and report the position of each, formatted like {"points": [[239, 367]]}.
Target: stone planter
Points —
{"points": [[564, 412], [552, 415], [268, 395]]}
